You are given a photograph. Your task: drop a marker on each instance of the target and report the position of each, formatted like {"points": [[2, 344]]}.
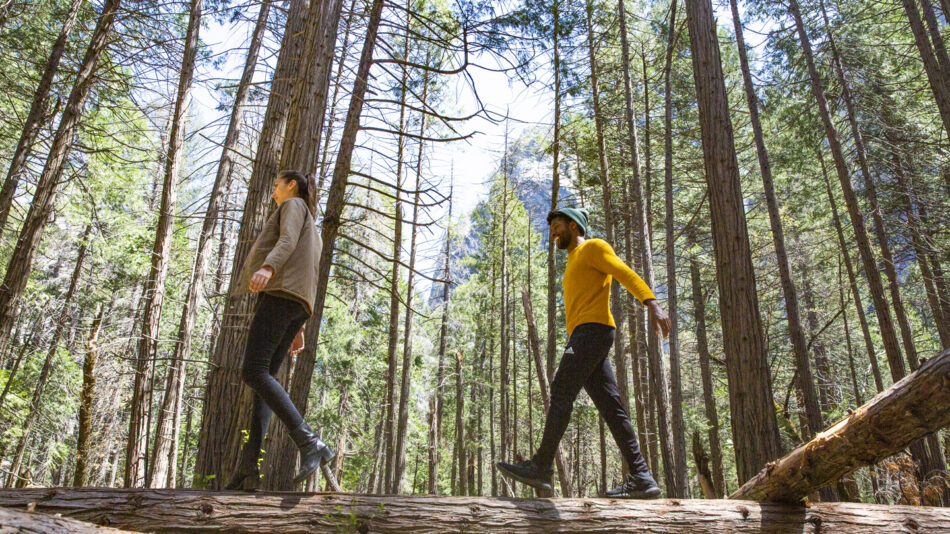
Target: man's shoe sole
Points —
{"points": [[534, 483], [640, 495]]}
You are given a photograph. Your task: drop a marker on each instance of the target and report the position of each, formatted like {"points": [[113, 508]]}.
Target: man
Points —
{"points": [[591, 266]]}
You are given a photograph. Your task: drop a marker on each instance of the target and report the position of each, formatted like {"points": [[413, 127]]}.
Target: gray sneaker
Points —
{"points": [[639, 486]]}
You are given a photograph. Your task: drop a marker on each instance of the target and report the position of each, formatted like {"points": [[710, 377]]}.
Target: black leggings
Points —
{"points": [[273, 329], [585, 365]]}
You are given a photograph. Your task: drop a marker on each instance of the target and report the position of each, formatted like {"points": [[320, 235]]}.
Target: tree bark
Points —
{"points": [[503, 422], [903, 413], [36, 403], [34, 118], [755, 430], [21, 261], [86, 401], [198, 511]]}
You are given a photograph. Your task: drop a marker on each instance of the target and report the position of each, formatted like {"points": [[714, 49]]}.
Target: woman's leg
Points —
{"points": [[272, 331]]}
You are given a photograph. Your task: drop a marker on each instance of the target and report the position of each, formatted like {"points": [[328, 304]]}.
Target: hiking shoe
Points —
{"points": [[639, 486], [527, 472]]}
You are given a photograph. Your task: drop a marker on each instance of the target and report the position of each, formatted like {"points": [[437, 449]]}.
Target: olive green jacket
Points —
{"points": [[290, 244]]}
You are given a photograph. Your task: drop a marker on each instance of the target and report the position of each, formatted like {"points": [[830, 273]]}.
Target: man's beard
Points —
{"points": [[563, 240]]}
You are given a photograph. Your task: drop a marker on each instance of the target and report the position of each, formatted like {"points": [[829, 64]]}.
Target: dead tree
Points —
{"points": [[898, 416]]}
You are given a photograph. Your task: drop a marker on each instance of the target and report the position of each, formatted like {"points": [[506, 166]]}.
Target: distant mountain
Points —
{"points": [[530, 177]]}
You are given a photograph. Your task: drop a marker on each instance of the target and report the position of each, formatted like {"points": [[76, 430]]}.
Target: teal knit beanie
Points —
{"points": [[578, 215]]}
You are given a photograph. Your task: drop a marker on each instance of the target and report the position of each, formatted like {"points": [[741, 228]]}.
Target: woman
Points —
{"points": [[283, 264]]}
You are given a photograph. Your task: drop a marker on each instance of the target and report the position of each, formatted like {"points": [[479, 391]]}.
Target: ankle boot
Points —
{"points": [[248, 476], [313, 452]]}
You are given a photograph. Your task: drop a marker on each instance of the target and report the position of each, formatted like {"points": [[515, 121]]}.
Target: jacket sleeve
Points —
{"points": [[604, 259], [292, 217]]}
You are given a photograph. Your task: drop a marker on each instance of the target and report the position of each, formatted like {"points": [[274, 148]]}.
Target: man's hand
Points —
{"points": [[297, 344], [659, 319], [259, 279]]}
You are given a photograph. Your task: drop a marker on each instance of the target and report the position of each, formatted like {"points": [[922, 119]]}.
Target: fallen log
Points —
{"points": [[898, 416], [20, 522], [168, 510]]}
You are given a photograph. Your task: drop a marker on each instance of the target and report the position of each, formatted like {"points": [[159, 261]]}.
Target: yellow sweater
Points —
{"points": [[590, 269]]}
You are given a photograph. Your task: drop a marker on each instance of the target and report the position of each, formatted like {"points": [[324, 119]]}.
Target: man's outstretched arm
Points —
{"points": [[605, 260]]}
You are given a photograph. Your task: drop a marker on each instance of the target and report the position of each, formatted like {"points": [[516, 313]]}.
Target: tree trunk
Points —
{"points": [[709, 399], [460, 427], [610, 225], [938, 84], [300, 151], [21, 261], [435, 430], [200, 511], [161, 468], [534, 346], [551, 339], [871, 189], [678, 472], [852, 279], [701, 459], [393, 330], [755, 430], [503, 423], [35, 117], [137, 467], [891, 346], [86, 402], [219, 441], [922, 251], [36, 402], [903, 413], [790, 295], [400, 463], [303, 371]]}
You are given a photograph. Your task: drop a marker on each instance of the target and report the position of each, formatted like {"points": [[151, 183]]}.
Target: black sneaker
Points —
{"points": [[528, 473], [639, 486]]}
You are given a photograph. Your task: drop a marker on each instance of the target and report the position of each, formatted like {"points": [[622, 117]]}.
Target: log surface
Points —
{"points": [[203, 511], [22, 522], [898, 416]]}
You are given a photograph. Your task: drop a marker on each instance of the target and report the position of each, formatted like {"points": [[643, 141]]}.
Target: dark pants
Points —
{"points": [[585, 364], [273, 329]]}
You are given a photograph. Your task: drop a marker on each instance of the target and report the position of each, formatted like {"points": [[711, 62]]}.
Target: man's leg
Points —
{"points": [[601, 385], [588, 344]]}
